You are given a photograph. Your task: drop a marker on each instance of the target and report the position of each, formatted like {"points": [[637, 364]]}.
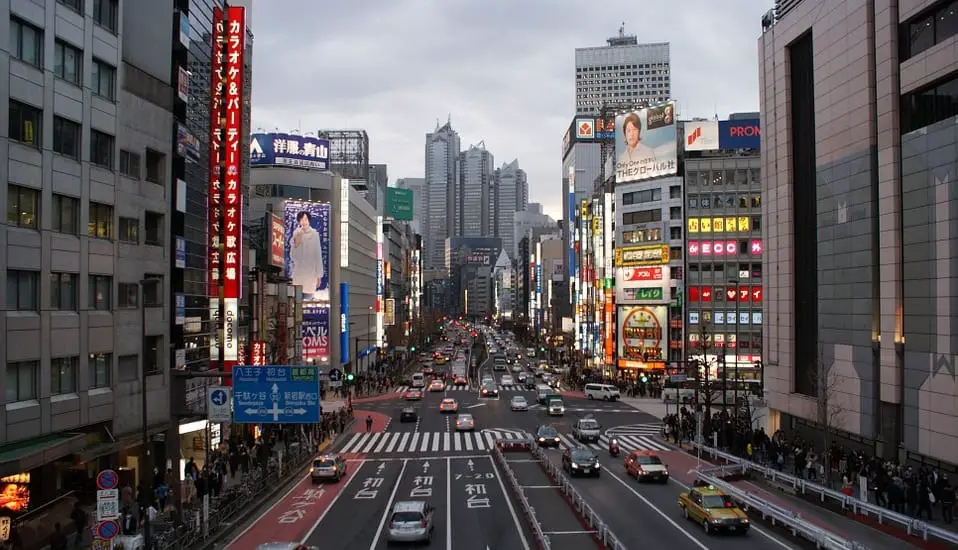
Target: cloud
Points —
{"points": [[503, 70]]}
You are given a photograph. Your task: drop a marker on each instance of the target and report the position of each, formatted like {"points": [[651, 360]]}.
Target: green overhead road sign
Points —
{"points": [[399, 203]]}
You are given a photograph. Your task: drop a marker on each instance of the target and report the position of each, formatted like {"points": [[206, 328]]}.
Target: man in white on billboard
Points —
{"points": [[306, 253], [639, 160], [635, 150]]}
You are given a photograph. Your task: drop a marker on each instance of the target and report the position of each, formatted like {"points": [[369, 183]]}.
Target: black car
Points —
{"points": [[408, 414], [489, 390], [581, 461], [547, 436]]}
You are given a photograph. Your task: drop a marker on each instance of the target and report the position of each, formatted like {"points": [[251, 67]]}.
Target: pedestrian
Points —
{"points": [[369, 423]]}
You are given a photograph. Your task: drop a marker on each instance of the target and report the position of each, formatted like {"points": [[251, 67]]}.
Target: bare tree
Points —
{"points": [[830, 413], [706, 385]]}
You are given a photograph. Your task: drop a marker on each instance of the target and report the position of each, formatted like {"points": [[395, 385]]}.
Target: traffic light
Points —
{"points": [[542, 348], [349, 378], [643, 379], [412, 349]]}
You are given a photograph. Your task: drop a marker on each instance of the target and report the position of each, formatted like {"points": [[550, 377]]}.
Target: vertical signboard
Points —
{"points": [[380, 281], [344, 323], [344, 223], [214, 200], [316, 333], [307, 247], [277, 240], [232, 228]]}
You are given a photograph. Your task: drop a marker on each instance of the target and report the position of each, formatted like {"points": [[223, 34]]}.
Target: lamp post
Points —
{"points": [[147, 466]]}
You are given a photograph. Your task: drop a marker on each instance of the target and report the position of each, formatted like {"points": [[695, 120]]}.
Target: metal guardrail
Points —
{"points": [[530, 512], [774, 513], [912, 526], [602, 531]]}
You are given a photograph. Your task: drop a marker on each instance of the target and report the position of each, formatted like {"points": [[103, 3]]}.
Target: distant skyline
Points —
{"points": [[396, 67]]}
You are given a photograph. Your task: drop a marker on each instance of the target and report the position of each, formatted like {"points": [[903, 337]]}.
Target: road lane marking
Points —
{"points": [[415, 439], [260, 517], [657, 510], [372, 441], [389, 506], [448, 503], [583, 532], [425, 443], [332, 503], [541, 486], [512, 510], [385, 439]]}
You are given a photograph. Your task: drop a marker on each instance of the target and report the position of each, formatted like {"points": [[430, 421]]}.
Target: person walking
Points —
{"points": [[369, 423]]}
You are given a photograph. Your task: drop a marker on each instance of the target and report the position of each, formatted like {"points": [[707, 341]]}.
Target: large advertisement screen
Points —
{"points": [[645, 144], [316, 334], [643, 284], [307, 248], [643, 336], [289, 150]]}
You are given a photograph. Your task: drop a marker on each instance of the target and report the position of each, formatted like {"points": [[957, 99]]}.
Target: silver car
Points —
{"points": [[410, 521], [519, 403], [327, 467]]}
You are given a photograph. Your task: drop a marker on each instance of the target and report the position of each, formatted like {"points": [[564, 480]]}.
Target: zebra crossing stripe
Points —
{"points": [[500, 387]]}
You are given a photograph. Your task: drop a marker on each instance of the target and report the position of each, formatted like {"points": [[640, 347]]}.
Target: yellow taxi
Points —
{"points": [[714, 510]]}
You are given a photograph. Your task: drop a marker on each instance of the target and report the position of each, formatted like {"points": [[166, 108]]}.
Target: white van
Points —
{"points": [[418, 380], [604, 392]]}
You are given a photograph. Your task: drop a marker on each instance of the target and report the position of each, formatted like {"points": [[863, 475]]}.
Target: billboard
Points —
{"points": [[307, 247], [632, 256], [702, 135], [643, 336], [605, 128], [643, 284], [645, 144], [740, 134], [719, 224], [558, 270], [277, 241], [316, 334], [389, 312], [280, 149], [343, 323], [399, 203], [585, 129]]}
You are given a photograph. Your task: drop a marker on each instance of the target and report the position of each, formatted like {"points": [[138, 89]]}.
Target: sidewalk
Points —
{"points": [[658, 409]]}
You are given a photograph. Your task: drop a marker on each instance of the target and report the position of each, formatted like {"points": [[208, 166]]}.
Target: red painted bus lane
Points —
{"points": [[294, 515]]}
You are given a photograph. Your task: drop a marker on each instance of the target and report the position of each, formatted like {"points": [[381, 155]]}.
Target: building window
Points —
{"points": [[67, 62], [25, 123], [104, 80], [693, 203], [75, 5], [100, 365], [101, 149], [928, 29], [23, 290], [675, 233], [639, 197], [105, 13], [154, 166], [642, 216], [26, 42], [63, 291], [130, 164], [66, 137], [100, 292], [153, 291], [128, 368], [932, 104], [63, 375], [23, 205], [66, 217], [756, 223], [129, 230], [675, 192], [155, 227], [127, 295], [675, 213], [152, 356], [22, 381], [101, 221]]}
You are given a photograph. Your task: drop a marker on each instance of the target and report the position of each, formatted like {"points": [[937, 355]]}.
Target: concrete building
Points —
{"points": [[442, 206], [470, 261], [525, 221], [398, 243], [511, 197], [352, 249], [503, 285], [85, 160], [860, 302], [420, 201], [623, 72], [475, 193], [376, 187]]}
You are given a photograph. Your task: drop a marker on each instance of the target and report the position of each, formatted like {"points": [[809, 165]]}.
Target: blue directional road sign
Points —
{"points": [[281, 394]]}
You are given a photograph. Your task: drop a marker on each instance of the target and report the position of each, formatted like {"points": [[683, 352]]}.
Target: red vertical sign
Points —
{"points": [[231, 143]]}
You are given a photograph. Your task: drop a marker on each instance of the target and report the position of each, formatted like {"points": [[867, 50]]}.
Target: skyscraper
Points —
{"points": [[511, 196], [419, 205], [376, 186], [624, 71], [442, 153], [474, 194]]}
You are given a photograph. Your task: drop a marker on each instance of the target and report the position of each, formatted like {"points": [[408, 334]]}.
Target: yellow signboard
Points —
{"points": [[743, 224], [726, 224], [706, 225], [693, 225], [633, 256], [718, 225]]}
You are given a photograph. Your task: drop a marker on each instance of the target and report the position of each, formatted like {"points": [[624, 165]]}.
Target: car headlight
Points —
{"points": [[574, 465], [557, 440], [542, 439], [597, 465]]}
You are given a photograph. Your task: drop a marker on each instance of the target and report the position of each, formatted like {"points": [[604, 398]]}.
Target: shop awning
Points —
{"points": [[23, 456]]}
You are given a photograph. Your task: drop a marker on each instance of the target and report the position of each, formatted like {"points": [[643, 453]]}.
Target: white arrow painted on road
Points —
{"points": [[381, 467], [476, 405], [425, 466], [471, 465]]}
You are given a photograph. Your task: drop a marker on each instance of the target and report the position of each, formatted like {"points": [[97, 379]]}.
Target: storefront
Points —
{"points": [[197, 439], [643, 341]]}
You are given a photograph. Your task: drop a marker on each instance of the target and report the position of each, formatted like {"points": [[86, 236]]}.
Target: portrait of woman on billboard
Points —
{"points": [[306, 254]]}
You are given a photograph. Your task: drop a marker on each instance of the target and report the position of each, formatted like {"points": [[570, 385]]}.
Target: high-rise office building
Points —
{"points": [[622, 72], [442, 208], [511, 196], [524, 221], [419, 204], [861, 296], [474, 193], [376, 187]]}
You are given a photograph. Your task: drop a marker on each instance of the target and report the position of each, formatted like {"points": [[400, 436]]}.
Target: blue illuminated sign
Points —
{"points": [[276, 394], [740, 134], [180, 252], [289, 150], [344, 323]]}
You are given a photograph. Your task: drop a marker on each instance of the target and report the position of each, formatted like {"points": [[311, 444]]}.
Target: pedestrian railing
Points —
{"points": [[884, 516], [515, 445], [778, 515]]}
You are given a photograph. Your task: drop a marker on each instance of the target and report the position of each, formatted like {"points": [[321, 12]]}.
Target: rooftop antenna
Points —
{"points": [[622, 30], [715, 107]]}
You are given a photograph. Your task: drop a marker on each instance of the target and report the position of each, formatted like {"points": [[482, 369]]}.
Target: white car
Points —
{"points": [[516, 369], [519, 403], [507, 380], [465, 422]]}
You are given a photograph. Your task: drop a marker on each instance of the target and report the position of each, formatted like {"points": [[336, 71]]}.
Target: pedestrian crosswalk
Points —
{"points": [[481, 440], [450, 387]]}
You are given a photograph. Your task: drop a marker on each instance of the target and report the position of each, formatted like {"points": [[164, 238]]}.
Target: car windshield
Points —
{"points": [[647, 460], [518, 399], [408, 411], [548, 431], [407, 517], [465, 418], [589, 425], [717, 501], [447, 401], [582, 455], [322, 464]]}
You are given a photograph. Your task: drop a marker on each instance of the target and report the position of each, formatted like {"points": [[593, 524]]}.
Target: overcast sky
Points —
{"points": [[502, 69]]}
